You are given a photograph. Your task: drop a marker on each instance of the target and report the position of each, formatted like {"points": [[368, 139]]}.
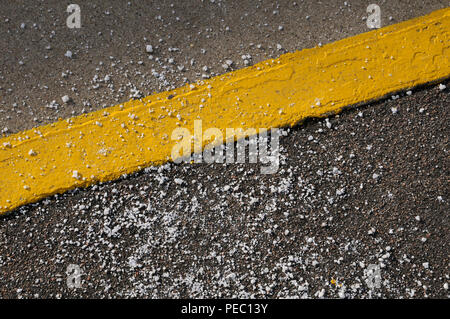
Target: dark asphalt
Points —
{"points": [[372, 189]]}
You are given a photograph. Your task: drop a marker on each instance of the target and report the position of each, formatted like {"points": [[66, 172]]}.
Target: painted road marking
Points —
{"points": [[103, 145]]}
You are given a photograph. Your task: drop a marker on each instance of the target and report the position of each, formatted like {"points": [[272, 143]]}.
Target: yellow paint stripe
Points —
{"points": [[103, 145]]}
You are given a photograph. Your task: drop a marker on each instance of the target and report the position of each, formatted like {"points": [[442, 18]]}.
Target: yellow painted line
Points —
{"points": [[103, 145]]}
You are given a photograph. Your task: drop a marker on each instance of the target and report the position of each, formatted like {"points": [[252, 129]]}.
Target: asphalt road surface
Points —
{"points": [[366, 189]]}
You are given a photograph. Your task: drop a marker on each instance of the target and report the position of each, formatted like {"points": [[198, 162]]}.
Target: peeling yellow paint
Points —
{"points": [[281, 92]]}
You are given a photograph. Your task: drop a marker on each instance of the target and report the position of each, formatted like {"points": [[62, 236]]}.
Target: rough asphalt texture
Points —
{"points": [[368, 186]]}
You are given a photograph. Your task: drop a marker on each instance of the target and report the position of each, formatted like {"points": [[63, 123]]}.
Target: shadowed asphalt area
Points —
{"points": [[367, 187]]}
